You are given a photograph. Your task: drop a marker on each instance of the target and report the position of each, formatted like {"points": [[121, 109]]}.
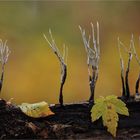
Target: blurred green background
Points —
{"points": [[33, 72]]}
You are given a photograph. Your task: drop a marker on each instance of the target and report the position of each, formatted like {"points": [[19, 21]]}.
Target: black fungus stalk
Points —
{"points": [[126, 76], [92, 87], [64, 76], [137, 85], [92, 83], [123, 86], [1, 80]]}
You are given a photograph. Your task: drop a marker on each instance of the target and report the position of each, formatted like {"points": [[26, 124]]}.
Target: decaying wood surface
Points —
{"points": [[72, 121]]}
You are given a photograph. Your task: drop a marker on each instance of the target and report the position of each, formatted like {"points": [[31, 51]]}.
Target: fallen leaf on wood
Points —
{"points": [[108, 108], [36, 110]]}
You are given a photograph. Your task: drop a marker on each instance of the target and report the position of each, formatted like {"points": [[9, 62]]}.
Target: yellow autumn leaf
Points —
{"points": [[108, 108], [120, 106], [36, 110], [99, 100], [97, 111], [110, 118], [110, 97]]}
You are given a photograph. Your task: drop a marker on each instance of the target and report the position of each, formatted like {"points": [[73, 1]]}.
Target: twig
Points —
{"points": [[93, 56], [4, 54], [63, 60]]}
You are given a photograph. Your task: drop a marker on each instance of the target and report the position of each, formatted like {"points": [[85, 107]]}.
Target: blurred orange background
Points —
{"points": [[32, 73]]}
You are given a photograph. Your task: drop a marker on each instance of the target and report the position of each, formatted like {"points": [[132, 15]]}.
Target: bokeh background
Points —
{"points": [[32, 73]]}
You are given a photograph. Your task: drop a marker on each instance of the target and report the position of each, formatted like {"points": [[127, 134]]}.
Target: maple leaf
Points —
{"points": [[108, 108], [98, 111], [36, 110]]}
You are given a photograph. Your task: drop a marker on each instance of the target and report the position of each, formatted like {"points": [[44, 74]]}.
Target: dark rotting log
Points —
{"points": [[77, 114], [73, 121]]}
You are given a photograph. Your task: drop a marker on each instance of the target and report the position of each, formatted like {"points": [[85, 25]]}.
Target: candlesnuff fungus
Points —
{"points": [[4, 54], [93, 56], [63, 63], [137, 94], [122, 70], [125, 83]]}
